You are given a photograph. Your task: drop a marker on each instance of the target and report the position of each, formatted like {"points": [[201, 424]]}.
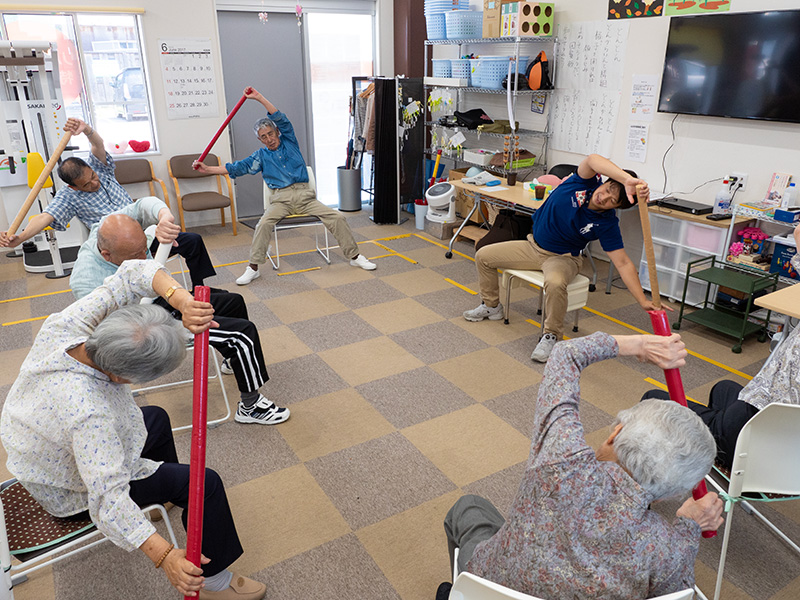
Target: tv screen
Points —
{"points": [[741, 65]]}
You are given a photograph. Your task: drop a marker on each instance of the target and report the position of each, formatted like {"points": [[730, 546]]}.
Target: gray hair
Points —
{"points": [[265, 123], [139, 343], [665, 447]]}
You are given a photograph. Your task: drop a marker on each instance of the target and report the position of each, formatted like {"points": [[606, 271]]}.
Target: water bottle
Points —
{"points": [[722, 203], [789, 197]]}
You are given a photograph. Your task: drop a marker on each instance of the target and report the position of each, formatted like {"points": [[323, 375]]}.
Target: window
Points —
{"points": [[100, 64]]}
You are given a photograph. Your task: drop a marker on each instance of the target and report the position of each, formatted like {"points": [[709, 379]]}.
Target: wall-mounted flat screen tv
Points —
{"points": [[741, 65]]}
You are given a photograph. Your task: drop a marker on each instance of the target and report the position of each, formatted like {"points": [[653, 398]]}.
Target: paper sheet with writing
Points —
{"points": [[589, 66], [643, 97], [190, 83], [636, 148]]}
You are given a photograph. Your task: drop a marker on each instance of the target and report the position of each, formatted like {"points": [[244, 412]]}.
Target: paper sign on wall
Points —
{"points": [[636, 148], [190, 88], [643, 97]]}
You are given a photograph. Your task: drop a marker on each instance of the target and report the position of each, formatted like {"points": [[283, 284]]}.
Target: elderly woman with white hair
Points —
{"points": [[78, 442], [581, 526]]}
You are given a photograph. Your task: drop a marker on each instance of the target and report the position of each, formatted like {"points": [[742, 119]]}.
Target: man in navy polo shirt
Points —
{"points": [[579, 210]]}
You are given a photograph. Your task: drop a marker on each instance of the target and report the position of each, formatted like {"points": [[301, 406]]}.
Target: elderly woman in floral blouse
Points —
{"points": [[78, 442], [730, 405], [581, 526]]}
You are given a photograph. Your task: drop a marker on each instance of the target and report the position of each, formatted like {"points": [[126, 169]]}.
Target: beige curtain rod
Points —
{"points": [[60, 8]]}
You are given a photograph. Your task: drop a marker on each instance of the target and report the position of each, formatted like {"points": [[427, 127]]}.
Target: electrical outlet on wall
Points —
{"points": [[741, 181]]}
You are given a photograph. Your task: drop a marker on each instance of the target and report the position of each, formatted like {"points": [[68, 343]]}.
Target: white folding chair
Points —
{"points": [[296, 221], [765, 467], [20, 514]]}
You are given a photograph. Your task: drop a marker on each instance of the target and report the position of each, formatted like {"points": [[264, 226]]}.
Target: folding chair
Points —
{"points": [[765, 469], [295, 221], [38, 539]]}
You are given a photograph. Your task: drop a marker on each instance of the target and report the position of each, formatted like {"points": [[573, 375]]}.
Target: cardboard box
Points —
{"points": [[463, 201], [527, 19], [491, 18]]}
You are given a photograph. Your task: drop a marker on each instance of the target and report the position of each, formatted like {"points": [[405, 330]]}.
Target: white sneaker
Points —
{"points": [[493, 313], [249, 274], [226, 368], [543, 349], [263, 412], [361, 261]]}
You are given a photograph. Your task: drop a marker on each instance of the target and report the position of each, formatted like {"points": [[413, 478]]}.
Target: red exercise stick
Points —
{"points": [[223, 126], [658, 318], [197, 464]]}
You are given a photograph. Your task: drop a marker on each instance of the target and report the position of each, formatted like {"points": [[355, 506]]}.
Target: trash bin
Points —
{"points": [[420, 210], [349, 189]]}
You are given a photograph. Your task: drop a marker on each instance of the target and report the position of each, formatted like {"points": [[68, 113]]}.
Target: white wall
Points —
{"points": [[164, 19]]}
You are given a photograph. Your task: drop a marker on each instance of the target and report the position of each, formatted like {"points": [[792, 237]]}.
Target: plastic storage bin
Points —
{"points": [[493, 70], [459, 67], [463, 24], [441, 67], [475, 72], [435, 25]]}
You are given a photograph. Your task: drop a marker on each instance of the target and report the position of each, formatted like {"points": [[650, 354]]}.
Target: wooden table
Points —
{"points": [[785, 301], [516, 198]]}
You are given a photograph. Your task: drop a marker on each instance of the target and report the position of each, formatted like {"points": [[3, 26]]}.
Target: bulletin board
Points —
{"points": [[190, 82]]}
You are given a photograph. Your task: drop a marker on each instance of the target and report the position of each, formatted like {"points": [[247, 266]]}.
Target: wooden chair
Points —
{"points": [[180, 167], [139, 170]]}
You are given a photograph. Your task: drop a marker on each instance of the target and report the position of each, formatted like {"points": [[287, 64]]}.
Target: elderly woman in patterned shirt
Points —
{"points": [[581, 526], [77, 440], [730, 405]]}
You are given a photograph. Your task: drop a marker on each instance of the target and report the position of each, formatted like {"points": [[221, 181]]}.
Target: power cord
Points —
{"points": [[664, 158]]}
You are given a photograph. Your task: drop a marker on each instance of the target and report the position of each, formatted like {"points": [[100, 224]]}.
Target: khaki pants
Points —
{"points": [[559, 271], [299, 199]]}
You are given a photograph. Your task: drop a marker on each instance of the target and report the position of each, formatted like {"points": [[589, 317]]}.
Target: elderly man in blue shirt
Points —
{"points": [[283, 168], [93, 192]]}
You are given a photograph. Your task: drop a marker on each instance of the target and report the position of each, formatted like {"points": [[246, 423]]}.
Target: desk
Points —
{"points": [[785, 301], [516, 198]]}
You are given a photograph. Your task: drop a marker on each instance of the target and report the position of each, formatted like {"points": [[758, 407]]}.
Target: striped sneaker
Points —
{"points": [[263, 411]]}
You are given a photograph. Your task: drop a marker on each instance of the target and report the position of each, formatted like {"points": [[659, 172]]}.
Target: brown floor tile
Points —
{"points": [[399, 315], [420, 281], [495, 333], [338, 274], [365, 495], [281, 515], [411, 547], [332, 422], [39, 585], [486, 374], [369, 360], [469, 444], [10, 362], [790, 592]]}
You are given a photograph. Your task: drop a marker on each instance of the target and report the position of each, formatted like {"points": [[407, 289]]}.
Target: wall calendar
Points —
{"points": [[187, 69]]}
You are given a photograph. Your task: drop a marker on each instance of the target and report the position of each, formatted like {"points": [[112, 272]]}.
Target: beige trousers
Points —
{"points": [[559, 271], [299, 199]]}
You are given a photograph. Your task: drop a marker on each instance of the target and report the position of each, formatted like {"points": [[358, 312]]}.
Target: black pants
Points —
{"points": [[170, 483], [725, 416], [236, 339], [193, 250]]}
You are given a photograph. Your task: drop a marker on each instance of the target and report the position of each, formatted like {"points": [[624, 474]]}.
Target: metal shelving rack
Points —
{"points": [[517, 41]]}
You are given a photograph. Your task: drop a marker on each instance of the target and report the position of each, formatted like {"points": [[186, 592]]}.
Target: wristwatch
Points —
{"points": [[170, 291]]}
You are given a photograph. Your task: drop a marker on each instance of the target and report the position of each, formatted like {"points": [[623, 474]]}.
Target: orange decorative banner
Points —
{"points": [[634, 9]]}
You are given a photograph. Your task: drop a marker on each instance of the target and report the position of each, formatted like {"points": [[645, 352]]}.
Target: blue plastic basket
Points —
{"points": [[493, 70], [475, 72], [443, 6], [459, 67], [441, 67], [436, 26], [463, 24]]}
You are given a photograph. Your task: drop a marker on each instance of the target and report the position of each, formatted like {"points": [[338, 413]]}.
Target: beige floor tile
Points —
{"points": [[433, 255], [10, 312], [369, 360], [487, 373], [600, 385], [280, 343], [305, 305], [706, 580], [332, 422], [414, 283], [790, 592], [281, 515], [596, 438], [5, 474], [37, 283], [338, 274], [411, 547], [469, 444], [40, 586], [496, 333], [10, 362], [398, 315], [382, 232], [12, 270]]}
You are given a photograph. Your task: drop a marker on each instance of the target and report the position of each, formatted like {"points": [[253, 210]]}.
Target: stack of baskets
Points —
{"points": [[463, 24], [493, 69], [435, 16]]}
